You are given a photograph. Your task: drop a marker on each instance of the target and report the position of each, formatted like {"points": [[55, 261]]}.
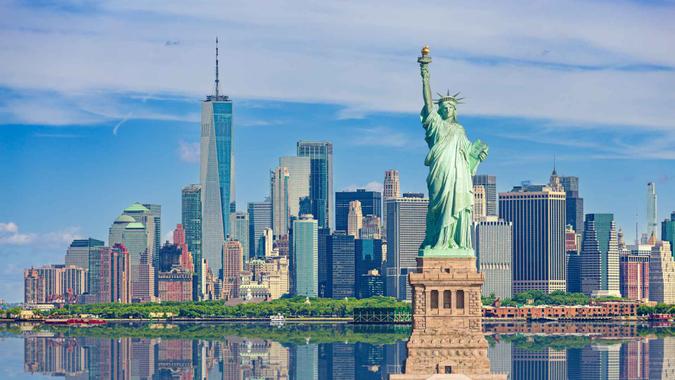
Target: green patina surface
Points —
{"points": [[136, 207], [452, 161]]}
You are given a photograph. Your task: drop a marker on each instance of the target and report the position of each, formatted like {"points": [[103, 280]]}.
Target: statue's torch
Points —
{"points": [[425, 59]]}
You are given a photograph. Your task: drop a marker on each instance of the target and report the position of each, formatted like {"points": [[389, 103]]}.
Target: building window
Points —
{"points": [[446, 299], [460, 299], [434, 299]]}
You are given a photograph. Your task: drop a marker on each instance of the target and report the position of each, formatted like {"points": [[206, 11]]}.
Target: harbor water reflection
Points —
{"points": [[250, 351]]}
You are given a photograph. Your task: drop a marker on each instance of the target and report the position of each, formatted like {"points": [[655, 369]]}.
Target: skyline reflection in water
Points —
{"points": [[328, 352]]}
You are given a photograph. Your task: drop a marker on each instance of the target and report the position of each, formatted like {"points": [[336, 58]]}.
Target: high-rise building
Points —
{"points": [[662, 274], [191, 219], [391, 189], [479, 203], [305, 257], [54, 284], [538, 217], [239, 224], [634, 271], [573, 203], [175, 285], [155, 212], [136, 239], [392, 184], [320, 180], [341, 260], [493, 245], [259, 218], [186, 260], [109, 275], [368, 257], [266, 244], [216, 173], [323, 236], [354, 219], [600, 256], [652, 210], [370, 284], [406, 221], [371, 228], [371, 204], [233, 254], [79, 250], [668, 232], [298, 180], [573, 259], [489, 182], [279, 178]]}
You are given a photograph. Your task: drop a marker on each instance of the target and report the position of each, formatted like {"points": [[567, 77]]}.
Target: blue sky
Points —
{"points": [[99, 104]]}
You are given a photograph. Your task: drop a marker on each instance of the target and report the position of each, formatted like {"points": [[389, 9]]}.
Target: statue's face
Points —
{"points": [[447, 110]]}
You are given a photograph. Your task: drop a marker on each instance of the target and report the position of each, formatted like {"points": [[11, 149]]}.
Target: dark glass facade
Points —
{"points": [[371, 204]]}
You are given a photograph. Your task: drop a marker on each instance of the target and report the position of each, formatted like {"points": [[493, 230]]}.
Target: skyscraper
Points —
{"points": [[109, 275], [136, 238], [321, 179], [216, 173], [634, 271], [661, 274], [368, 257], [493, 245], [392, 184], [79, 250], [298, 180], [600, 256], [136, 230], [652, 210], [391, 189], [489, 182], [538, 217], [239, 229], [191, 219], [341, 261], [668, 232], [259, 218], [155, 212], [354, 219], [406, 221], [573, 203], [371, 204], [479, 203], [232, 266], [305, 257], [279, 178]]}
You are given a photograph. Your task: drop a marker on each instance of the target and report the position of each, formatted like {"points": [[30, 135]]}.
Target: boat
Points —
{"points": [[277, 320]]}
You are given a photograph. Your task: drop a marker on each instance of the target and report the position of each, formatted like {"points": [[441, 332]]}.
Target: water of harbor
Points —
{"points": [[322, 351]]}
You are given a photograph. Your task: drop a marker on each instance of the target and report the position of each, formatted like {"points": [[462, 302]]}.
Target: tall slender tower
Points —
{"points": [[652, 214], [279, 179], [320, 179], [216, 173], [392, 184]]}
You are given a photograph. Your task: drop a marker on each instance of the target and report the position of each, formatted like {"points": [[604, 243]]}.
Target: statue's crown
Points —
{"points": [[454, 99]]}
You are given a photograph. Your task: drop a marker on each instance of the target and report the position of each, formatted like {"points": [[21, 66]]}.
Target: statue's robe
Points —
{"points": [[449, 183]]}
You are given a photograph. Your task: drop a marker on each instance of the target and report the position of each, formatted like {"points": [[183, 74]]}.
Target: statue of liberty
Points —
{"points": [[452, 161]]}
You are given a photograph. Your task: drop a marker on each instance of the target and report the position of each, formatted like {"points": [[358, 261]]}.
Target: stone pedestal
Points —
{"points": [[447, 341], [446, 295]]}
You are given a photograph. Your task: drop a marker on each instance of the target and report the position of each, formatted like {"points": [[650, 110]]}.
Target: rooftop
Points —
{"points": [[136, 207], [135, 226]]}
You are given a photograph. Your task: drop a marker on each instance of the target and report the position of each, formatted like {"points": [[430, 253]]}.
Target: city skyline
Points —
{"points": [[73, 167]]}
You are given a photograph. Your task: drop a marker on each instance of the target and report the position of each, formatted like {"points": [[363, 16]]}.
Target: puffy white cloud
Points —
{"points": [[11, 235], [188, 152]]}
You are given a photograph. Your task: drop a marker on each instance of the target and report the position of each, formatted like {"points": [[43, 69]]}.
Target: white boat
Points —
{"points": [[277, 320]]}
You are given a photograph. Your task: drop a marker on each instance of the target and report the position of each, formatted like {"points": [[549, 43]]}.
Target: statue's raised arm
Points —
{"points": [[424, 62]]}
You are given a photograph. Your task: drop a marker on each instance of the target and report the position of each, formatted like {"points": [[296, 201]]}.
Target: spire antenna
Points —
{"points": [[217, 81]]}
